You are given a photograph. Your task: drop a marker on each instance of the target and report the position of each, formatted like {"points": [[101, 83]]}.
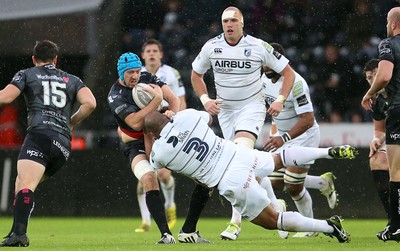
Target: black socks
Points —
{"points": [[23, 208], [156, 208]]}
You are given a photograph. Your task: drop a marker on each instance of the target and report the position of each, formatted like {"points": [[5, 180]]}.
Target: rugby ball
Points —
{"points": [[141, 97]]}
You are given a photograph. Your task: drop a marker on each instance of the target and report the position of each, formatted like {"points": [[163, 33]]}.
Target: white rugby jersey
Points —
{"points": [[237, 69], [297, 102], [171, 77], [187, 145]]}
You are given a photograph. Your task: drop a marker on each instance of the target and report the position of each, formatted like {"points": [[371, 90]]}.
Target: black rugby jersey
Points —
{"points": [[50, 95], [389, 49], [121, 102]]}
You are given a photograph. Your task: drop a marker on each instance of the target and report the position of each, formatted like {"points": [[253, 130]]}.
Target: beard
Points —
{"points": [[271, 74]]}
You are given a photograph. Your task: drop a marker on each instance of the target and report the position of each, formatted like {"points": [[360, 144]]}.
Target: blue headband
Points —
{"points": [[126, 62]]}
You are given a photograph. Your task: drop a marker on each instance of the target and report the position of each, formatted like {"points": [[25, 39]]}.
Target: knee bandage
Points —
{"points": [[245, 141], [294, 178], [141, 168], [277, 175]]}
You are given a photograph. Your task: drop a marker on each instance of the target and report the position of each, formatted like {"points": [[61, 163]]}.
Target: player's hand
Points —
{"points": [[273, 143], [169, 114], [212, 106], [156, 92], [368, 100], [374, 146], [275, 108]]}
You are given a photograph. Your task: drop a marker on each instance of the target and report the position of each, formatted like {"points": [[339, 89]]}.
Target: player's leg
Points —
{"points": [[299, 155], [380, 174], [294, 181], [254, 205], [198, 200], [275, 181], [29, 174], [246, 125], [325, 183], [144, 172], [144, 211], [167, 183], [392, 232]]}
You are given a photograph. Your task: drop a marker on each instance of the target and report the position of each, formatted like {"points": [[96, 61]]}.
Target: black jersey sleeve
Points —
{"points": [[385, 50], [19, 80]]}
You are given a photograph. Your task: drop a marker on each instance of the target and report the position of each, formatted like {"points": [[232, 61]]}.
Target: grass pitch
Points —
{"points": [[118, 234]]}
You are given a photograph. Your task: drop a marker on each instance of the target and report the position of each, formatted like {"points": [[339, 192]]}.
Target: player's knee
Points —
{"points": [[164, 175], [294, 182], [142, 168], [245, 141]]}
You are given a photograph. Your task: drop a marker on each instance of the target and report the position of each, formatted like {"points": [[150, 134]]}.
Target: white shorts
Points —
{"points": [[239, 186], [250, 118]]}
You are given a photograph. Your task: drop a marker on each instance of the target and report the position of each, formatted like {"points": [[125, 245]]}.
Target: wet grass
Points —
{"points": [[118, 234]]}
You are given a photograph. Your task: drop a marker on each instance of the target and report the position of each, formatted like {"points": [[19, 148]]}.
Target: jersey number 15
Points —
{"points": [[54, 92]]}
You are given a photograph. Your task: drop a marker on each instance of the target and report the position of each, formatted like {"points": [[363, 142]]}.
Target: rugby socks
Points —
{"points": [[394, 206], [23, 208], [381, 180], [303, 203], [198, 201], [156, 208], [315, 182], [299, 155], [266, 184], [144, 211], [168, 190], [295, 222]]}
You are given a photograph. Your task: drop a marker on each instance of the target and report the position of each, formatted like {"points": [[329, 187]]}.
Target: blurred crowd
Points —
{"points": [[327, 42]]}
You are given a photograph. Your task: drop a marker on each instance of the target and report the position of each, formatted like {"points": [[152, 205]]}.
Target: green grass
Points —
{"points": [[118, 234]]}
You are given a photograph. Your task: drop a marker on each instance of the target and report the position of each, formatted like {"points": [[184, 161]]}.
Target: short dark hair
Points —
{"points": [[45, 50], [371, 65], [278, 47], [152, 41]]}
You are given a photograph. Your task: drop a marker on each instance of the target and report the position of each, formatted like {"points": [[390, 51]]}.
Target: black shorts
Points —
{"points": [[393, 126], [51, 149], [133, 149]]}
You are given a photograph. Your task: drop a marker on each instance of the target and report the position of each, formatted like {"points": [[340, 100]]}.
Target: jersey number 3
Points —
{"points": [[53, 93]]}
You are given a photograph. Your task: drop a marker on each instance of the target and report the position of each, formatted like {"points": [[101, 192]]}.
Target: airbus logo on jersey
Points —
{"points": [[174, 140], [217, 50], [232, 64], [199, 146]]}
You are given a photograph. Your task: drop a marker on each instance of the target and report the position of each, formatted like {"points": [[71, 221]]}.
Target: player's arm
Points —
{"points": [[287, 85], [379, 136], [199, 86], [182, 100], [171, 98], [306, 121], [148, 143], [9, 94], [88, 103], [135, 120]]}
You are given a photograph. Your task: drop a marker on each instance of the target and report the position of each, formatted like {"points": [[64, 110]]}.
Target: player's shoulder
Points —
{"points": [[215, 40], [173, 71]]}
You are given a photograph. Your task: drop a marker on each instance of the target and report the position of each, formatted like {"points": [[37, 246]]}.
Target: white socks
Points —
{"points": [[144, 212], [299, 155], [168, 191], [266, 184], [315, 182], [303, 203], [295, 222]]}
